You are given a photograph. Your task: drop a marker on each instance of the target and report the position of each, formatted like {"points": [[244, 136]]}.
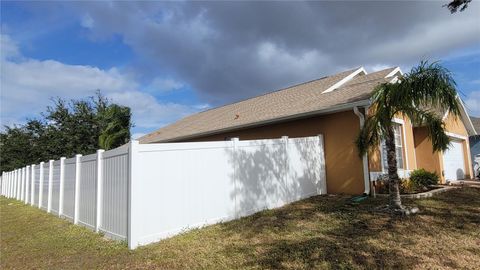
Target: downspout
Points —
{"points": [[366, 176]]}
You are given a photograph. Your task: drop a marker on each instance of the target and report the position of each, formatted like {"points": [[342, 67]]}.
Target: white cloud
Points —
{"points": [[148, 112], [8, 48], [472, 103], [137, 135], [87, 21], [28, 84], [164, 85]]}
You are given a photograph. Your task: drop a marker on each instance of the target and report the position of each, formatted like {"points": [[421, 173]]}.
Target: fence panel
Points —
{"points": [[177, 186], [69, 189], [115, 193], [56, 187], [88, 190], [306, 168], [193, 186], [46, 175], [37, 185]]}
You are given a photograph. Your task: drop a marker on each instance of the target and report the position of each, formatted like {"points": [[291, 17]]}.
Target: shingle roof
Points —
{"points": [[295, 100], [476, 123]]}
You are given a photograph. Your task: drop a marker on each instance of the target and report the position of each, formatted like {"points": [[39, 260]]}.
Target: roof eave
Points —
{"points": [[334, 109]]}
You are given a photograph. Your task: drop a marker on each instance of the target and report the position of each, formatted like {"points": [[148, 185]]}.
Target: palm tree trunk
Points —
{"points": [[394, 191]]}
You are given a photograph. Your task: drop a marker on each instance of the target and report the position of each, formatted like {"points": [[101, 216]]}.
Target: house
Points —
{"points": [[475, 146], [334, 106]]}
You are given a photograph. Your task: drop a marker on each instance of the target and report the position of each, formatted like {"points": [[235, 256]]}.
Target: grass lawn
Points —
{"points": [[320, 232]]}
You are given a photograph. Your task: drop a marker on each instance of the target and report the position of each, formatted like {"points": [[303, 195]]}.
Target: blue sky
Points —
{"points": [[167, 60]]}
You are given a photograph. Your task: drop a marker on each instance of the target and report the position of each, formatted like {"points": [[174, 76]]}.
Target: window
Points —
{"points": [[398, 148]]}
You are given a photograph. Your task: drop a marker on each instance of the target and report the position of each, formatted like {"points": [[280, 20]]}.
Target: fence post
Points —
{"points": [[12, 184], [8, 184], [19, 192], [20, 184], [32, 190], [40, 186], [133, 208], [323, 172], [62, 181], [3, 183], [50, 180], [77, 188], [17, 184], [98, 219], [27, 184], [23, 184], [286, 168], [235, 161]]}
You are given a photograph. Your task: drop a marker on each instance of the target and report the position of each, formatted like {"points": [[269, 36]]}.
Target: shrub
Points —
{"points": [[423, 178], [405, 186]]}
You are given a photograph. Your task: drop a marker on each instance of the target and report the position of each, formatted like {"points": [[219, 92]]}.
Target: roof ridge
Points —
{"points": [[346, 85]]}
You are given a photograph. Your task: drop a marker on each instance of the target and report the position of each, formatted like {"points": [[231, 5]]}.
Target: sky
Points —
{"points": [[167, 60]]}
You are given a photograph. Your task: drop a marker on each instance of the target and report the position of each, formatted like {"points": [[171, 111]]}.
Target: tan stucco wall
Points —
{"points": [[434, 161], [343, 164], [455, 125], [426, 158]]}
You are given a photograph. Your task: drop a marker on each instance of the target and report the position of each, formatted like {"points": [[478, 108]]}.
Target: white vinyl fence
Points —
{"points": [[143, 193]]}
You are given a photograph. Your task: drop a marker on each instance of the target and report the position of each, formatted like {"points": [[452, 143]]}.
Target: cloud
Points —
{"points": [[9, 48], [164, 85], [87, 21], [148, 112], [472, 103], [229, 51], [28, 84]]}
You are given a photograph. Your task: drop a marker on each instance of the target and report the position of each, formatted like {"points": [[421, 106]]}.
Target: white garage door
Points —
{"points": [[453, 163]]}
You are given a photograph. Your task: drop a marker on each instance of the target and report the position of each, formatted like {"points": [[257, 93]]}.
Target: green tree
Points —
{"points": [[65, 129], [415, 95], [114, 119]]}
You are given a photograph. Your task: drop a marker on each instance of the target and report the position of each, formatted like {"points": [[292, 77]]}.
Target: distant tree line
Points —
{"points": [[65, 129]]}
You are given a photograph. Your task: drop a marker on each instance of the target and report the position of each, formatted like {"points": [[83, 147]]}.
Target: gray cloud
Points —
{"points": [[229, 51]]}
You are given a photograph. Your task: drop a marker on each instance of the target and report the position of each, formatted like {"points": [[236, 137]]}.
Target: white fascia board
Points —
{"points": [[466, 118], [456, 136], [393, 72], [394, 80], [346, 79]]}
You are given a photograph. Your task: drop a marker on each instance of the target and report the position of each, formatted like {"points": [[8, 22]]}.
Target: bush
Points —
{"points": [[420, 181], [423, 178], [405, 186]]}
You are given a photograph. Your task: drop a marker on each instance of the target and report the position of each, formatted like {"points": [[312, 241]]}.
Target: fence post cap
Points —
{"points": [[63, 158], [100, 150]]}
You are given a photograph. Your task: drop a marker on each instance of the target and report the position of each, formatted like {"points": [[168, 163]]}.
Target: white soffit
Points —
{"points": [[346, 79]]}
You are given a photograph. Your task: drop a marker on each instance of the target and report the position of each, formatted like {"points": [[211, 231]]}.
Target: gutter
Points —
{"points": [[366, 176]]}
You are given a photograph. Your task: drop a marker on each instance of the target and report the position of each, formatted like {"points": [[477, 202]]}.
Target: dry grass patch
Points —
{"points": [[326, 232]]}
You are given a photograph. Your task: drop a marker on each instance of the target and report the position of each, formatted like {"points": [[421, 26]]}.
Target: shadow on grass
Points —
{"points": [[329, 232]]}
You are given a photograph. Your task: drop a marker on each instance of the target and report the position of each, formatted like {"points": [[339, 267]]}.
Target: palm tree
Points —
{"points": [[416, 94]]}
